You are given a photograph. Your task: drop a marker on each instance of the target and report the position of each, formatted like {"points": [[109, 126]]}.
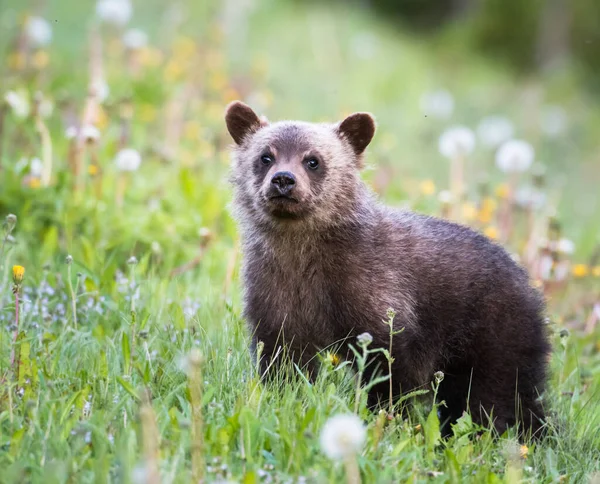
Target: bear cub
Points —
{"points": [[323, 261]]}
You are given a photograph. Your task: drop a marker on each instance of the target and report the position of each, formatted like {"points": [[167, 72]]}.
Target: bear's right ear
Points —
{"points": [[241, 121]]}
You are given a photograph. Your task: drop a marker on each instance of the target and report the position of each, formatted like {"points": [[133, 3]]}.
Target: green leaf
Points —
{"points": [[432, 430], [68, 407], [126, 350], [128, 387]]}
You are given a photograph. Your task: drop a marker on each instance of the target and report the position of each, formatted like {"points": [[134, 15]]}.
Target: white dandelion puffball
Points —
{"points": [[565, 246], [90, 133], [494, 130], [100, 89], [128, 159], [39, 31], [342, 436], [18, 102], [438, 104], [515, 156], [36, 167], [135, 39], [115, 12], [530, 197], [456, 141]]}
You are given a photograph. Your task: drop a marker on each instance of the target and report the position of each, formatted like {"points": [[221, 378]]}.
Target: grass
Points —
{"points": [[104, 389]]}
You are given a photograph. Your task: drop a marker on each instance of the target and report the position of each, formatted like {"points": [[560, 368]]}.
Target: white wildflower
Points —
{"points": [[456, 141], [515, 156], [128, 159], [18, 102], [135, 39], [342, 436], [494, 130], [561, 270], [90, 133], [39, 31], [36, 167], [364, 339], [438, 104], [100, 89], [445, 197], [140, 474], [565, 246], [116, 12], [71, 132], [530, 197], [554, 121]]}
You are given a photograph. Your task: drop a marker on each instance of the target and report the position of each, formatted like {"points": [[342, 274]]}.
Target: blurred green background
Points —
{"points": [[533, 62]]}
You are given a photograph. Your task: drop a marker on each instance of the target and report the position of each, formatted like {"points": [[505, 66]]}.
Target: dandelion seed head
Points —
{"points": [[115, 12], [456, 141], [135, 39], [342, 436], [100, 89], [18, 102], [128, 159], [565, 246], [39, 31], [515, 156], [90, 133]]}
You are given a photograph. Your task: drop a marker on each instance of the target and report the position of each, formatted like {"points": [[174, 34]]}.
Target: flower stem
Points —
{"points": [[352, 471], [73, 299], [16, 333]]}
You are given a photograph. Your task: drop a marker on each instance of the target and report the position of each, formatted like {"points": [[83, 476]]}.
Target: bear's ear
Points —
{"points": [[241, 121], [358, 129]]}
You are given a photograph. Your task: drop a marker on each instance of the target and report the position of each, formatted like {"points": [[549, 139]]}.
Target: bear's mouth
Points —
{"points": [[283, 199]]}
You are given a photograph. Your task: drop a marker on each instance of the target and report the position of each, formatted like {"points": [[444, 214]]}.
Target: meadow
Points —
{"points": [[123, 353]]}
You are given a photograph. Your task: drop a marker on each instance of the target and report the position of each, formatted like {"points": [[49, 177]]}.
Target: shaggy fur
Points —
{"points": [[324, 261]]}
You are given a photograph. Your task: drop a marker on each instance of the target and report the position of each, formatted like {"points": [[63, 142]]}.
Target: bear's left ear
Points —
{"points": [[358, 129], [242, 121]]}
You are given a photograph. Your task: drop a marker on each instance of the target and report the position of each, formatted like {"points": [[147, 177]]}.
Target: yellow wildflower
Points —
{"points": [[93, 170], [150, 57], [173, 71], [192, 129], [218, 81], [486, 211], [596, 271], [502, 190], [230, 94], [580, 270], [101, 119], [147, 113], [184, 47], [18, 273], [40, 59], [524, 451], [333, 358], [427, 187], [469, 211], [491, 232], [34, 182], [16, 60]]}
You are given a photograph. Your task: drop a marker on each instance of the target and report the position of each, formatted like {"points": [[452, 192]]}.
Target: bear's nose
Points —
{"points": [[283, 181]]}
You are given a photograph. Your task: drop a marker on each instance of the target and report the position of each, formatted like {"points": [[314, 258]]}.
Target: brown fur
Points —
{"points": [[325, 264]]}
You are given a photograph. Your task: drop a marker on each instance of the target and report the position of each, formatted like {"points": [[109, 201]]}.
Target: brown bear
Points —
{"points": [[323, 261]]}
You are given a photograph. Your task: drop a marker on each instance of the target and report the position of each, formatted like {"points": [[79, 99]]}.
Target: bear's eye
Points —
{"points": [[312, 163], [266, 159]]}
